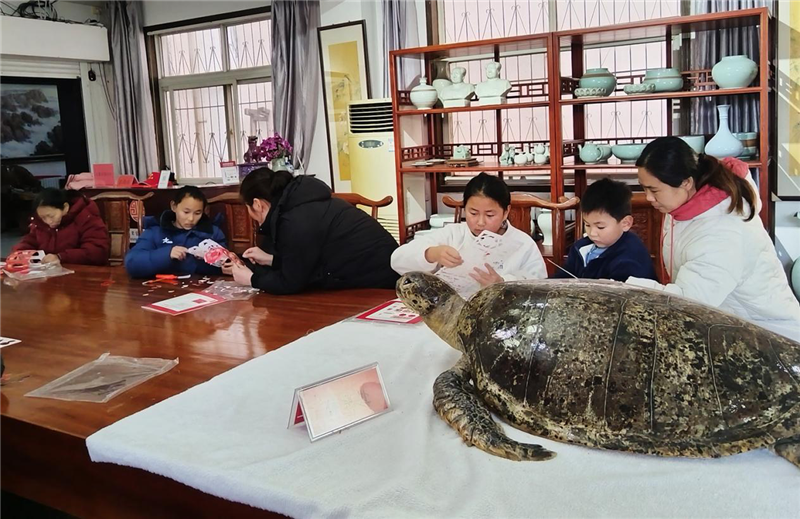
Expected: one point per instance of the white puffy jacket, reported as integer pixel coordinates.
(718, 259)
(525, 263)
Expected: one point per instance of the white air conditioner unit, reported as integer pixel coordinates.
(372, 167)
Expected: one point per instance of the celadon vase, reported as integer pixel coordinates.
(724, 144)
(545, 221)
(278, 164)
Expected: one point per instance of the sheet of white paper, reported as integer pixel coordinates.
(487, 247)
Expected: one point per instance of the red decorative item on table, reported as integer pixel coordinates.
(22, 260)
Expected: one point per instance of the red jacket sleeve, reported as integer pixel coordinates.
(29, 242)
(94, 243)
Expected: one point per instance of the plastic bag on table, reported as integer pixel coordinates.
(231, 290)
(102, 379)
(27, 264)
(54, 270)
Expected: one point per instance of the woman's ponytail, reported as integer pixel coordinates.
(711, 171)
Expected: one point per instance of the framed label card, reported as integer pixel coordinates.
(339, 402)
(230, 172)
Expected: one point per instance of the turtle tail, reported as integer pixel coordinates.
(455, 400)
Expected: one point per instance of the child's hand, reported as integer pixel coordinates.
(241, 274)
(50, 258)
(227, 267)
(486, 278)
(178, 253)
(444, 255)
(256, 255)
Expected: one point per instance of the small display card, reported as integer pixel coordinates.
(339, 402)
(163, 179)
(185, 303)
(393, 311)
(230, 172)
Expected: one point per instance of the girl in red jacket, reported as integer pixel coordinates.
(68, 228)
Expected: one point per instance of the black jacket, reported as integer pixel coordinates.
(322, 242)
(627, 257)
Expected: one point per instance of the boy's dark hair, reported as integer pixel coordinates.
(608, 196)
(489, 186)
(265, 184)
(191, 192)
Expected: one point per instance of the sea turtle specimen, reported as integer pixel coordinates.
(610, 366)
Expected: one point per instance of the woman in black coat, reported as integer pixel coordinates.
(310, 240)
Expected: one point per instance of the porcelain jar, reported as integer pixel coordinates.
(598, 78)
(734, 72)
(423, 96)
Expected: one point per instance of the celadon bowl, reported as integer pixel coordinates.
(627, 153)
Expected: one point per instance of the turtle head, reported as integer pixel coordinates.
(435, 301)
(423, 292)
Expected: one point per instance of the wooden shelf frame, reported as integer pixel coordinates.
(557, 97)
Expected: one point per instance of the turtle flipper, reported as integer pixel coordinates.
(455, 400)
(789, 449)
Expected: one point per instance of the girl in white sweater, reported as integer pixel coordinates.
(486, 204)
(714, 247)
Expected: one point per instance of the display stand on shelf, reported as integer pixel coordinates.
(556, 92)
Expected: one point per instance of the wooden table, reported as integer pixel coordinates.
(67, 321)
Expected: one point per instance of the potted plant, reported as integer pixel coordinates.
(276, 151)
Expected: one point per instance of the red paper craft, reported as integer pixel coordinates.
(125, 181)
(103, 175)
(218, 255)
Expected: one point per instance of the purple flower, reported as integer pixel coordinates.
(275, 147)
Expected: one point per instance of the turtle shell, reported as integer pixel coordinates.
(609, 365)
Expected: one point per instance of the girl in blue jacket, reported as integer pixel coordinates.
(162, 247)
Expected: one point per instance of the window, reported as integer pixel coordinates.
(470, 20)
(215, 89)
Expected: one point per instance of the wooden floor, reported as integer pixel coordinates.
(67, 321)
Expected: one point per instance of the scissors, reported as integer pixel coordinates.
(167, 278)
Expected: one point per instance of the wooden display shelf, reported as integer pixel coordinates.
(567, 49)
(754, 163)
(660, 27)
(471, 108)
(488, 164)
(501, 47)
(661, 95)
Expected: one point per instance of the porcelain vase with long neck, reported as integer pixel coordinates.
(724, 144)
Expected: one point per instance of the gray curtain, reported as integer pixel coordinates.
(134, 106)
(295, 73)
(400, 31)
(711, 46)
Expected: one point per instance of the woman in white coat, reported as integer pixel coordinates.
(714, 247)
(486, 204)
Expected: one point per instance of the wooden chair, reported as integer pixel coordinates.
(647, 222)
(116, 208)
(519, 215)
(240, 230)
(356, 199)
